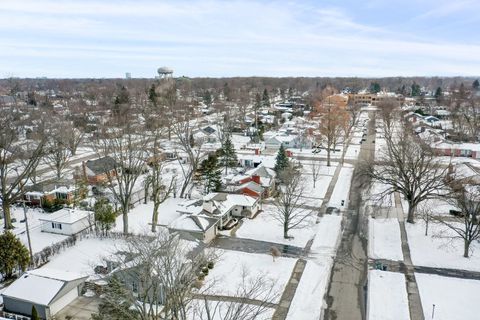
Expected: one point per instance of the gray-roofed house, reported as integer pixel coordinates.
(48, 290)
(97, 171)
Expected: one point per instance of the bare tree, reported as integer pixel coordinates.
(128, 150)
(255, 297)
(290, 204)
(18, 161)
(74, 138)
(315, 169)
(155, 277)
(409, 167)
(426, 214)
(466, 224)
(333, 121)
(183, 129)
(57, 151)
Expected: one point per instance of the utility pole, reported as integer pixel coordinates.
(28, 232)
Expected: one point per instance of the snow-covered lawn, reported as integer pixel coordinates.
(84, 256)
(219, 309)
(327, 235)
(39, 239)
(384, 239)
(436, 250)
(454, 298)
(140, 217)
(315, 194)
(323, 169)
(265, 228)
(353, 150)
(307, 302)
(226, 276)
(387, 296)
(342, 188)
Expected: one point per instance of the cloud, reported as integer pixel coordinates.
(217, 38)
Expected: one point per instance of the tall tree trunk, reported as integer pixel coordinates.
(155, 216)
(285, 230)
(125, 219)
(466, 248)
(328, 156)
(7, 217)
(411, 213)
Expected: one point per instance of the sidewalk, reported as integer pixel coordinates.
(414, 301)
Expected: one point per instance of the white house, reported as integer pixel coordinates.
(49, 290)
(67, 221)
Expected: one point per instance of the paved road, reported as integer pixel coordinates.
(345, 296)
(255, 246)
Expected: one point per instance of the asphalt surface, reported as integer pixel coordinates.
(346, 292)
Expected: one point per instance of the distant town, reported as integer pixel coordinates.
(244, 198)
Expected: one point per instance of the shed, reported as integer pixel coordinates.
(67, 221)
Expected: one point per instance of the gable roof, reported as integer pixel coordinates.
(40, 286)
(101, 165)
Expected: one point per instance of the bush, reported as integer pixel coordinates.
(205, 271)
(210, 265)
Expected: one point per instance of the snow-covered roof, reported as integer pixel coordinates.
(40, 287)
(67, 216)
(195, 223)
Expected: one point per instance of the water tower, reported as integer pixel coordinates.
(165, 73)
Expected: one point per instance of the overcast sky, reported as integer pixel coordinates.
(239, 38)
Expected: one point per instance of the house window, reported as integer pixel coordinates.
(61, 196)
(56, 225)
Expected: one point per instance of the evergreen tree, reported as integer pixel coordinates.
(282, 161)
(265, 99)
(416, 91)
(227, 92)
(227, 154)
(116, 303)
(12, 254)
(438, 94)
(207, 98)
(152, 95)
(104, 215)
(210, 173)
(375, 87)
(35, 314)
(476, 85)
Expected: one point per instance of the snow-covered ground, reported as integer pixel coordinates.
(327, 235)
(342, 188)
(453, 298)
(314, 195)
(226, 276)
(384, 239)
(387, 296)
(265, 228)
(84, 256)
(219, 310)
(437, 250)
(306, 303)
(39, 239)
(140, 217)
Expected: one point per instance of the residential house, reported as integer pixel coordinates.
(50, 191)
(48, 290)
(256, 182)
(216, 211)
(97, 171)
(288, 141)
(67, 221)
